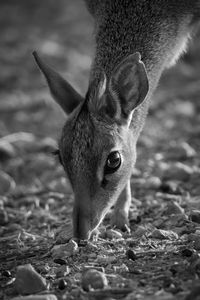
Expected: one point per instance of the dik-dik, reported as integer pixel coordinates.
(135, 41)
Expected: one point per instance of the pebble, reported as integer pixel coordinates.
(37, 297)
(113, 234)
(60, 261)
(131, 254)
(7, 183)
(65, 250)
(173, 208)
(177, 171)
(186, 252)
(194, 216)
(140, 231)
(62, 284)
(7, 151)
(164, 234)
(153, 183)
(28, 281)
(93, 279)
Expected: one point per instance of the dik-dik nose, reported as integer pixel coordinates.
(81, 223)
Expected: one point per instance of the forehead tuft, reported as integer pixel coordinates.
(83, 141)
(77, 138)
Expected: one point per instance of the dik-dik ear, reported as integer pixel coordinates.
(63, 93)
(128, 85)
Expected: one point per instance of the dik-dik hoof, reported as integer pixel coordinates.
(120, 220)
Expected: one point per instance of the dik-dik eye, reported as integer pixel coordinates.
(113, 162)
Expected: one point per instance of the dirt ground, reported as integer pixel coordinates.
(159, 257)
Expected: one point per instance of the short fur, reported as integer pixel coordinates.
(135, 41)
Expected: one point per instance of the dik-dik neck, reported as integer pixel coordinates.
(116, 38)
(123, 29)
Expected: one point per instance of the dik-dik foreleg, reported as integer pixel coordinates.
(121, 210)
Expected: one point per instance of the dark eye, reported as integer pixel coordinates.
(113, 162)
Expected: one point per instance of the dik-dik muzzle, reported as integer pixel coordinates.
(97, 146)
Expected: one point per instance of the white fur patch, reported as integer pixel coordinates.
(179, 49)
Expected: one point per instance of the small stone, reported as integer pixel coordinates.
(153, 183)
(60, 261)
(140, 231)
(187, 252)
(65, 250)
(113, 234)
(164, 234)
(37, 297)
(28, 281)
(177, 171)
(195, 216)
(173, 208)
(131, 254)
(62, 284)
(93, 279)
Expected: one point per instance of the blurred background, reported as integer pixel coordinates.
(62, 32)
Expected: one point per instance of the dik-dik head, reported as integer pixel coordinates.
(97, 145)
